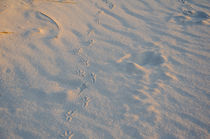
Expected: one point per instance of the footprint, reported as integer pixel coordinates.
(90, 42)
(110, 4)
(84, 61)
(106, 1)
(86, 77)
(97, 17)
(148, 58)
(182, 1)
(86, 100)
(93, 77)
(81, 73)
(69, 115)
(190, 16)
(67, 134)
(195, 16)
(77, 51)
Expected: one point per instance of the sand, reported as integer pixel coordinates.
(104, 69)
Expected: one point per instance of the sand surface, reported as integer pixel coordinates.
(104, 69)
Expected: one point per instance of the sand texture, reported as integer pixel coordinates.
(104, 69)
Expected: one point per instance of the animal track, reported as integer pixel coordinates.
(81, 73)
(110, 4)
(86, 100)
(84, 61)
(77, 51)
(98, 14)
(67, 134)
(69, 115)
(190, 16)
(182, 1)
(86, 77)
(90, 42)
(93, 77)
(196, 14)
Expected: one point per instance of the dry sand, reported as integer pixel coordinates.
(104, 69)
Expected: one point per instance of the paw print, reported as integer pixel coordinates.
(69, 115)
(67, 134)
(86, 100)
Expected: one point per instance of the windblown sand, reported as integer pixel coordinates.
(104, 69)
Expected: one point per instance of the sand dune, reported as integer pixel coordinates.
(103, 69)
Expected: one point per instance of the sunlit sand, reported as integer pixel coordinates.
(104, 69)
